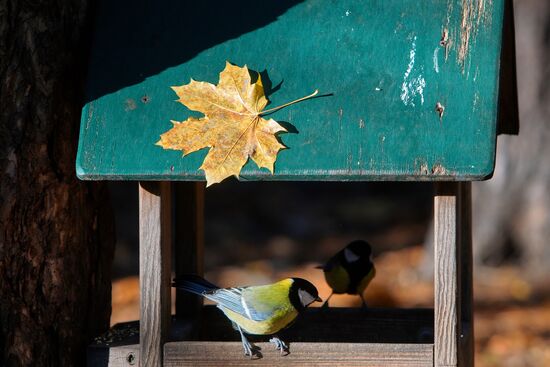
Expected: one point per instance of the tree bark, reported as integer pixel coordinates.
(56, 233)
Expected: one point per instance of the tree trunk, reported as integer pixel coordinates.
(56, 233)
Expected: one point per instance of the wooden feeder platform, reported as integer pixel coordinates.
(373, 337)
(418, 92)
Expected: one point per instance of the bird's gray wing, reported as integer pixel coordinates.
(232, 299)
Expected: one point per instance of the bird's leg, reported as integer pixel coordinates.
(249, 349)
(325, 305)
(363, 300)
(279, 344)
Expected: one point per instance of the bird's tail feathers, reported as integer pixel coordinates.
(194, 284)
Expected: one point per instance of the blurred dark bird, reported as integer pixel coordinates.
(350, 270)
(256, 310)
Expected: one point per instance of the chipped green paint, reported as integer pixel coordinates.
(414, 85)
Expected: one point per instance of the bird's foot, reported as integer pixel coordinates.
(252, 351)
(280, 345)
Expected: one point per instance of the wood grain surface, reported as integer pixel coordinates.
(302, 354)
(155, 228)
(446, 295)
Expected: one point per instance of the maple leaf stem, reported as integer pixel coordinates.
(288, 104)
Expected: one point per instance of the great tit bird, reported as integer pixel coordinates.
(256, 310)
(350, 270)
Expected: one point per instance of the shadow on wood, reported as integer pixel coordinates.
(138, 39)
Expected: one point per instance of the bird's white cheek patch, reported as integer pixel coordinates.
(305, 297)
(350, 256)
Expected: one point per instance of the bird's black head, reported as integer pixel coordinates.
(302, 293)
(356, 250)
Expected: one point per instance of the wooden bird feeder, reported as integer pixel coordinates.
(420, 90)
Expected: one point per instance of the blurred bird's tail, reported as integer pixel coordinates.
(194, 284)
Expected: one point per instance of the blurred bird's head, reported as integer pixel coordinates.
(302, 293)
(353, 252)
(357, 250)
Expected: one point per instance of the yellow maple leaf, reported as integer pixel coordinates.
(232, 126)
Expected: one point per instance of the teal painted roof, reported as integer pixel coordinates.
(391, 67)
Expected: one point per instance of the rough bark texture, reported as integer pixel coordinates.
(56, 237)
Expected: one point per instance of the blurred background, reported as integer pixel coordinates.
(259, 232)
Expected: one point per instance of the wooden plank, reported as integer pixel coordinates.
(119, 346)
(446, 297)
(124, 356)
(465, 277)
(301, 354)
(454, 329)
(189, 241)
(155, 214)
(380, 123)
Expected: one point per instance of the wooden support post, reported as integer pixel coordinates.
(453, 336)
(189, 241)
(445, 279)
(155, 227)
